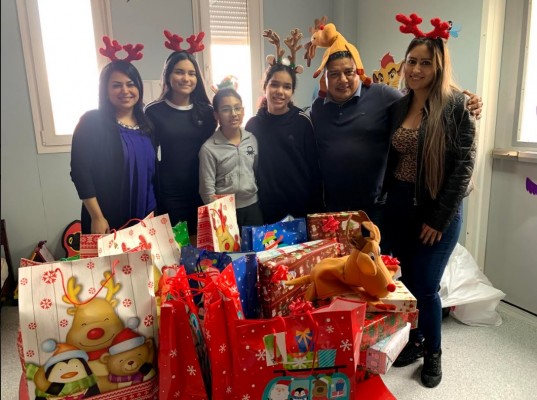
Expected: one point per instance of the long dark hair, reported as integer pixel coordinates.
(104, 102)
(202, 105)
(442, 88)
(269, 73)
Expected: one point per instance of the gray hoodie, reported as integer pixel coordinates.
(226, 168)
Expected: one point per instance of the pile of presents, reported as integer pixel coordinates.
(142, 313)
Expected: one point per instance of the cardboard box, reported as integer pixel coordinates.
(274, 296)
(333, 225)
(381, 355)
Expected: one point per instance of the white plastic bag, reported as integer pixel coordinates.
(468, 292)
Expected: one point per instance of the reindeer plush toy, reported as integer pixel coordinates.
(327, 36)
(361, 271)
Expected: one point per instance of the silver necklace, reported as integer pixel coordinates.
(127, 126)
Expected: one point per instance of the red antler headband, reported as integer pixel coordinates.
(410, 25)
(174, 42)
(112, 47)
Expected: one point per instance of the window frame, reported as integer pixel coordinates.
(34, 58)
(200, 17)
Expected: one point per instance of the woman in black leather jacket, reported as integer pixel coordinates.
(430, 166)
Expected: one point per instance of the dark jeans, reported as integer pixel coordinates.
(249, 216)
(422, 266)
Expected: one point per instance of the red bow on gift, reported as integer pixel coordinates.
(300, 306)
(280, 273)
(330, 224)
(389, 260)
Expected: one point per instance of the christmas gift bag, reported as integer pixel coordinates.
(313, 354)
(94, 317)
(182, 360)
(283, 233)
(152, 233)
(245, 267)
(218, 229)
(89, 245)
(180, 230)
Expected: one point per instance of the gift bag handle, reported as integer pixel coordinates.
(126, 224)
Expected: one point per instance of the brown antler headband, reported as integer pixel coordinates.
(293, 43)
(112, 47)
(174, 42)
(410, 25)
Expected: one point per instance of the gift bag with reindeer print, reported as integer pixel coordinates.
(218, 229)
(89, 328)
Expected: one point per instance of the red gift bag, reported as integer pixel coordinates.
(313, 355)
(222, 307)
(182, 354)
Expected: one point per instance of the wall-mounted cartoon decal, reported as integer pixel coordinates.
(389, 72)
(531, 186)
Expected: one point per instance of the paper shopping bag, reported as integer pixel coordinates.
(245, 267)
(218, 229)
(152, 233)
(95, 316)
(315, 354)
(283, 233)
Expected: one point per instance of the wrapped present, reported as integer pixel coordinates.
(378, 326)
(274, 296)
(268, 254)
(334, 225)
(401, 300)
(380, 357)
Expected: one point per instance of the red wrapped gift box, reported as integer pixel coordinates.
(333, 225)
(274, 296)
(378, 326)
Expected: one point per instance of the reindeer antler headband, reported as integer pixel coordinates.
(112, 47)
(292, 42)
(410, 25)
(174, 42)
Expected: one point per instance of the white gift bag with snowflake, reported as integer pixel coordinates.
(152, 233)
(89, 327)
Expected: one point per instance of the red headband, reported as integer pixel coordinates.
(174, 42)
(410, 25)
(112, 47)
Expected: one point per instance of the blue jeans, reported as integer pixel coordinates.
(422, 266)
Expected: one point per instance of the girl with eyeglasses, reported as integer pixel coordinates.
(228, 160)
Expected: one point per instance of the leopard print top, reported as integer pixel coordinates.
(405, 142)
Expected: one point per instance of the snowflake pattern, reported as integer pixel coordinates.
(246, 397)
(24, 281)
(208, 335)
(170, 240)
(126, 269)
(144, 257)
(32, 326)
(260, 355)
(64, 323)
(177, 394)
(191, 370)
(30, 353)
(301, 362)
(148, 320)
(90, 265)
(222, 349)
(49, 277)
(152, 231)
(46, 303)
(173, 353)
(163, 220)
(228, 390)
(92, 290)
(150, 285)
(330, 329)
(345, 345)
(127, 302)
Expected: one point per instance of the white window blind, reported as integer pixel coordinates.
(229, 22)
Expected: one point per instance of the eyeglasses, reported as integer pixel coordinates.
(229, 110)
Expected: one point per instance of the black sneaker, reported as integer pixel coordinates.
(431, 374)
(410, 353)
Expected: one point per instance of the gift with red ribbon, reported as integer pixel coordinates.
(338, 225)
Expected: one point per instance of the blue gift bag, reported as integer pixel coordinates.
(245, 268)
(283, 233)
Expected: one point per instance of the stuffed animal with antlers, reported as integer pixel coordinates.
(292, 42)
(362, 271)
(326, 36)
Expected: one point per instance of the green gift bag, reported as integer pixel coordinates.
(180, 231)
